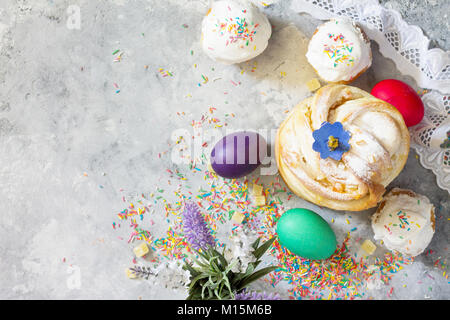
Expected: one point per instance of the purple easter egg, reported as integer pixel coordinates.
(238, 154)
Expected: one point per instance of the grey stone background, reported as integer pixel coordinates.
(69, 143)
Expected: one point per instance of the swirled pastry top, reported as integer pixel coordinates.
(339, 51)
(234, 31)
(379, 146)
(404, 221)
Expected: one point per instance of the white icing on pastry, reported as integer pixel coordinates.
(235, 31)
(405, 222)
(338, 51)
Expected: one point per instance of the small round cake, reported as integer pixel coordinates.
(405, 222)
(234, 31)
(339, 51)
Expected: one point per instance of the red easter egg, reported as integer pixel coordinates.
(403, 97)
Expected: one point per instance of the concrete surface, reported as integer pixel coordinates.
(69, 142)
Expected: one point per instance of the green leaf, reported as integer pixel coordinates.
(258, 253)
(204, 255)
(220, 288)
(213, 283)
(230, 291)
(193, 272)
(236, 279)
(214, 266)
(242, 275)
(256, 243)
(255, 276)
(248, 271)
(199, 263)
(255, 264)
(195, 294)
(210, 293)
(222, 259)
(200, 276)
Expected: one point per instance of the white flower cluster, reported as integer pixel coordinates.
(240, 251)
(171, 275)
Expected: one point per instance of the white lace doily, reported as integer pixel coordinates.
(430, 137)
(407, 46)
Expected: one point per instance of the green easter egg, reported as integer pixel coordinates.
(306, 234)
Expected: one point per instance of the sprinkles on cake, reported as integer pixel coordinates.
(237, 29)
(340, 51)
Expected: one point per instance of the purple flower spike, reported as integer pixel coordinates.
(195, 228)
(253, 295)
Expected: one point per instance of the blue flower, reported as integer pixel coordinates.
(331, 140)
(195, 229)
